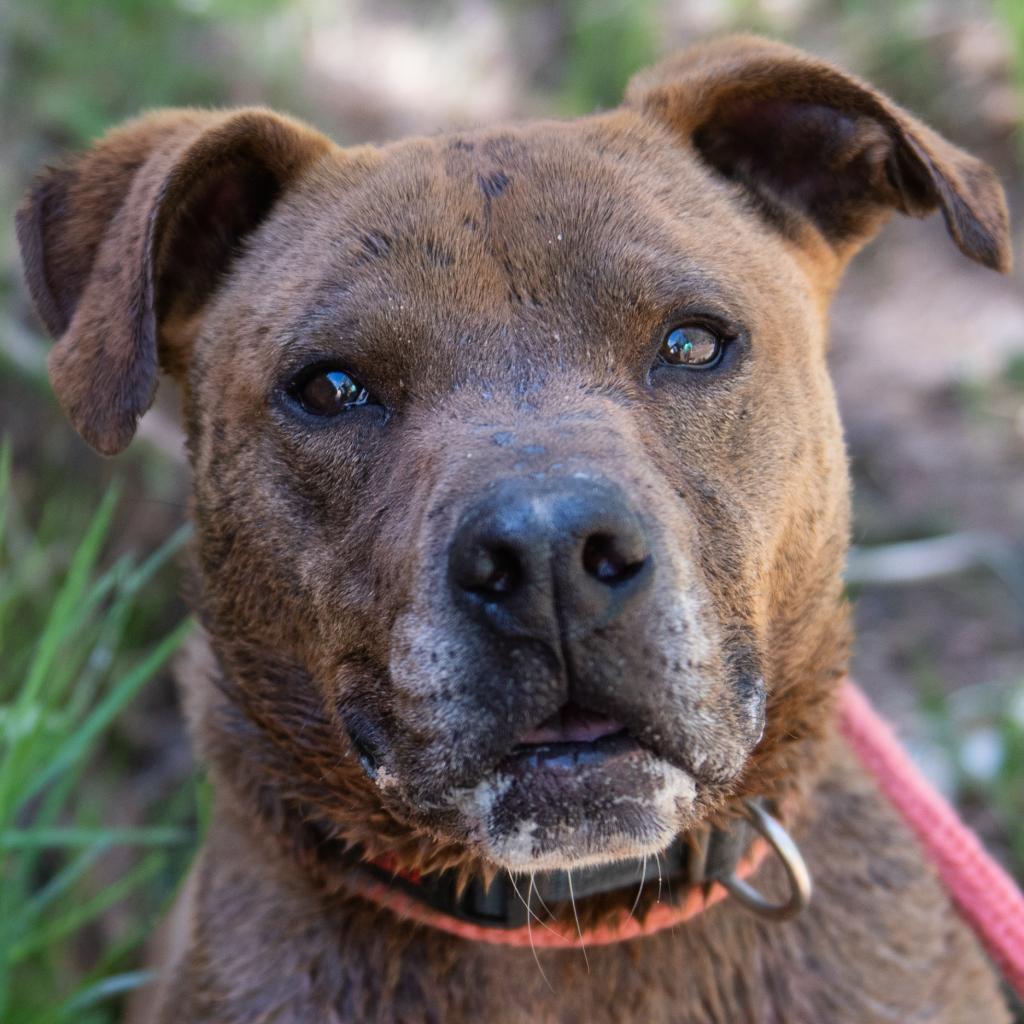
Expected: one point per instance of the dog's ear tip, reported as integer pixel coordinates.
(998, 251)
(993, 252)
(979, 222)
(988, 253)
(106, 418)
(108, 443)
(107, 432)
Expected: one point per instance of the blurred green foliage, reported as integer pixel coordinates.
(1012, 14)
(78, 66)
(74, 655)
(607, 42)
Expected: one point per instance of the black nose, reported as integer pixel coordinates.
(533, 557)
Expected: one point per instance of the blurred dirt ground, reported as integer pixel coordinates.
(928, 349)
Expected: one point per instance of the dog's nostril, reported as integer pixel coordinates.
(536, 558)
(494, 571)
(611, 561)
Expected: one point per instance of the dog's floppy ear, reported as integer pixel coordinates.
(132, 236)
(812, 143)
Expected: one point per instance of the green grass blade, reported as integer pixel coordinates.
(69, 596)
(58, 885)
(116, 620)
(70, 838)
(81, 915)
(26, 707)
(108, 709)
(141, 576)
(115, 985)
(5, 501)
(5, 486)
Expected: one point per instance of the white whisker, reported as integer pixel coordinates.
(579, 930)
(530, 913)
(640, 890)
(529, 927)
(544, 906)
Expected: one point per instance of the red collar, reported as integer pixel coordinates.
(697, 873)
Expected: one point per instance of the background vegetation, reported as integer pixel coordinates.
(100, 805)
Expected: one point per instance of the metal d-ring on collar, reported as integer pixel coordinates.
(792, 861)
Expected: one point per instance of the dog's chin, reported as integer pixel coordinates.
(568, 805)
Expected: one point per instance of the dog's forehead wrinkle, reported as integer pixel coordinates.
(584, 221)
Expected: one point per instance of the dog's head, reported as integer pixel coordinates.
(520, 488)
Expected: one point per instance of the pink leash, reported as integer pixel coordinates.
(984, 893)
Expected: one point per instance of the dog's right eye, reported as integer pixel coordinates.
(328, 391)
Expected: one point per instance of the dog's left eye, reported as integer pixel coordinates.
(695, 347)
(325, 391)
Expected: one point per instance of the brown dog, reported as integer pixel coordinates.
(522, 506)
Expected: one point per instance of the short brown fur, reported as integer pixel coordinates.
(504, 292)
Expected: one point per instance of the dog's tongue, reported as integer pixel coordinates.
(572, 724)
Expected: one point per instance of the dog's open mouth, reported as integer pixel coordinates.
(572, 724)
(568, 739)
